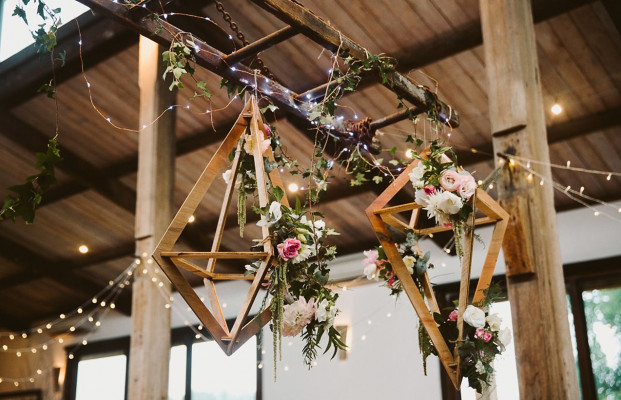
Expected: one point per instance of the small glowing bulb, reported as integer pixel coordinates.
(608, 177)
(84, 342)
(83, 249)
(224, 305)
(108, 119)
(197, 336)
(290, 343)
(33, 350)
(364, 337)
(581, 189)
(596, 213)
(369, 322)
(11, 336)
(62, 316)
(443, 264)
(103, 303)
(200, 327)
(161, 284)
(44, 347)
(286, 368)
(60, 340)
(72, 329)
(541, 183)
(491, 186)
(191, 219)
(24, 335)
(448, 251)
(94, 301)
(568, 163)
(70, 356)
(18, 354)
(431, 235)
(98, 323)
(529, 177)
(556, 109)
(91, 319)
(31, 380)
(293, 187)
(389, 315)
(167, 305)
(511, 162)
(409, 153)
(112, 305)
(344, 288)
(5, 347)
(39, 372)
(260, 366)
(48, 326)
(80, 311)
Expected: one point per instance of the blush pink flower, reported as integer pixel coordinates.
(371, 257)
(450, 180)
(453, 315)
(268, 131)
(429, 190)
(289, 249)
(297, 315)
(483, 334)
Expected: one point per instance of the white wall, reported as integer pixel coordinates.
(387, 363)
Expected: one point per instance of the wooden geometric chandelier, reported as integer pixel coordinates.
(248, 122)
(381, 217)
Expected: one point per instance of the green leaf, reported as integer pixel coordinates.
(278, 192)
(393, 151)
(393, 162)
(378, 179)
(269, 107)
(20, 12)
(409, 139)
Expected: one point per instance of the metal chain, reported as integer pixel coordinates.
(240, 36)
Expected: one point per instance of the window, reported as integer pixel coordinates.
(101, 378)
(198, 370)
(15, 35)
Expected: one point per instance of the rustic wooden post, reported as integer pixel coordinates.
(545, 363)
(150, 337)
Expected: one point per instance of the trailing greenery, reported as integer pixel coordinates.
(30, 194)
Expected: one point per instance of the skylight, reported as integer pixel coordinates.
(15, 35)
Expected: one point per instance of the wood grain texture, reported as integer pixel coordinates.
(539, 309)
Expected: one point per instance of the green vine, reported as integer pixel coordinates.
(30, 194)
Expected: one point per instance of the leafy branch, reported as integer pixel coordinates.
(30, 194)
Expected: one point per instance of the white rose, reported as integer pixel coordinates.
(320, 224)
(474, 317)
(468, 187)
(449, 203)
(505, 336)
(421, 198)
(416, 175)
(371, 271)
(227, 176)
(494, 322)
(409, 262)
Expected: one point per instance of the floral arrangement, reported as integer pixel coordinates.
(301, 302)
(484, 339)
(378, 267)
(444, 191)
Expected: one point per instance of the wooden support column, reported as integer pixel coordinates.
(150, 337)
(545, 364)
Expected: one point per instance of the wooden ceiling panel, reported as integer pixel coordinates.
(40, 297)
(60, 228)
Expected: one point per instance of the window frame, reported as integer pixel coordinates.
(179, 336)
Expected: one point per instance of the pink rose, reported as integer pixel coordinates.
(268, 131)
(468, 187)
(391, 281)
(429, 190)
(483, 334)
(289, 249)
(453, 315)
(450, 180)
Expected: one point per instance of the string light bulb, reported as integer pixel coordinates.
(556, 109)
(83, 249)
(293, 187)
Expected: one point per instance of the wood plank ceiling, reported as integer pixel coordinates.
(579, 49)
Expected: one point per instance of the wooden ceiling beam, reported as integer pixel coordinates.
(613, 7)
(560, 132)
(86, 174)
(37, 266)
(22, 74)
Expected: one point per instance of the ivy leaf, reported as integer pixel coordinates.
(409, 139)
(393, 151)
(48, 89)
(278, 192)
(269, 107)
(378, 179)
(393, 162)
(20, 12)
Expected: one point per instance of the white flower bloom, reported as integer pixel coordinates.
(250, 268)
(421, 198)
(371, 271)
(227, 176)
(409, 262)
(320, 224)
(326, 312)
(474, 317)
(479, 367)
(433, 205)
(303, 254)
(449, 203)
(273, 215)
(416, 175)
(505, 336)
(494, 322)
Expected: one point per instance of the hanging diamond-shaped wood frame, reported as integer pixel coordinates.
(381, 217)
(171, 262)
